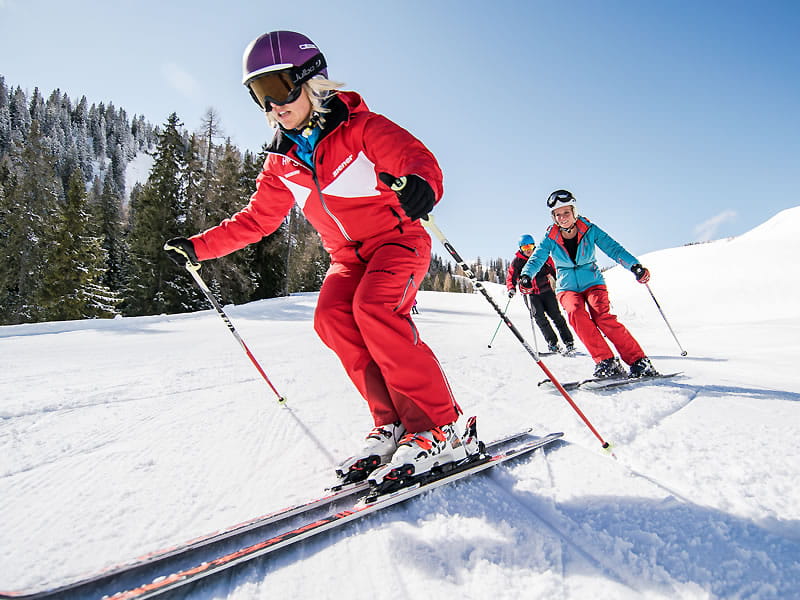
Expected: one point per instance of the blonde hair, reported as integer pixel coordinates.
(318, 90)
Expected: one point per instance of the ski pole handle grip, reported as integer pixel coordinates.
(191, 263)
(399, 184)
(396, 184)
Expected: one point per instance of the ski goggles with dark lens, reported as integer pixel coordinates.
(528, 247)
(274, 88)
(562, 196)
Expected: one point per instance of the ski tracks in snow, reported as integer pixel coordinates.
(654, 540)
(574, 538)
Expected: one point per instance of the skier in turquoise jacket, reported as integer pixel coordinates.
(581, 288)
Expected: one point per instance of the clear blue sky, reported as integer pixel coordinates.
(670, 121)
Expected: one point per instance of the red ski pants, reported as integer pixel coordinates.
(363, 316)
(588, 314)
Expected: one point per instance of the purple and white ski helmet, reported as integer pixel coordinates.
(283, 50)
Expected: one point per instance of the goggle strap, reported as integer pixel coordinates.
(308, 69)
(254, 97)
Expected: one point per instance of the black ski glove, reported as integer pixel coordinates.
(525, 281)
(511, 292)
(642, 274)
(181, 252)
(415, 194)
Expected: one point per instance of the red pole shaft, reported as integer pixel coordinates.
(202, 285)
(569, 399)
(260, 370)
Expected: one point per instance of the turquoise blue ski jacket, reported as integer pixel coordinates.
(583, 273)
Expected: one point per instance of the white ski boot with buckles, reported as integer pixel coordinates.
(379, 446)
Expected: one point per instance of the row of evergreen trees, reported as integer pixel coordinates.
(77, 246)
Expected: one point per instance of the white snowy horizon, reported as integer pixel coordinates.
(120, 437)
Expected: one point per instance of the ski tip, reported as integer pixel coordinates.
(553, 436)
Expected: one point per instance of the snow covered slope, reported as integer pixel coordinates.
(119, 437)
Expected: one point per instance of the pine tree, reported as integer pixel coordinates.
(20, 116)
(33, 194)
(83, 139)
(269, 255)
(97, 128)
(210, 130)
(108, 217)
(36, 112)
(229, 276)
(159, 213)
(196, 183)
(308, 261)
(8, 298)
(74, 265)
(5, 118)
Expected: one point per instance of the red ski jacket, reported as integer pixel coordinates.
(340, 195)
(541, 283)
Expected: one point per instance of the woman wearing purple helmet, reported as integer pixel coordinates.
(336, 159)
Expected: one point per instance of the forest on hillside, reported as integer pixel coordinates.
(76, 245)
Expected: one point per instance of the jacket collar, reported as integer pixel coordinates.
(339, 113)
(582, 223)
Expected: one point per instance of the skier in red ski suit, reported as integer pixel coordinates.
(334, 158)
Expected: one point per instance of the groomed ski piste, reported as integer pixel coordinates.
(126, 436)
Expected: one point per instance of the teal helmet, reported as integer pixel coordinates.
(526, 239)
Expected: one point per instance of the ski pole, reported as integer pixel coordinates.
(193, 269)
(430, 224)
(500, 323)
(663, 316)
(532, 312)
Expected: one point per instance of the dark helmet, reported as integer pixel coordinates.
(525, 240)
(283, 50)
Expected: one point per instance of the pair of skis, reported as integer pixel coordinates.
(177, 566)
(604, 383)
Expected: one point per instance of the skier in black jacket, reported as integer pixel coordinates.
(540, 298)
